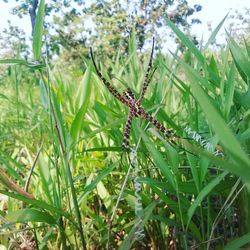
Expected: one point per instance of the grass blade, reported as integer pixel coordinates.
(215, 32)
(22, 62)
(38, 31)
(84, 96)
(161, 164)
(189, 44)
(240, 58)
(30, 215)
(37, 203)
(238, 243)
(226, 136)
(204, 192)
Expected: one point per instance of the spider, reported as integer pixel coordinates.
(135, 106)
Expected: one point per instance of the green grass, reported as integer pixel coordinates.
(73, 126)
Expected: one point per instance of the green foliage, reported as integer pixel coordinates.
(104, 24)
(30, 215)
(188, 194)
(13, 42)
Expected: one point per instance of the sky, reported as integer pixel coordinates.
(213, 11)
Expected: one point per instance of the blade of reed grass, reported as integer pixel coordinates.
(222, 162)
(184, 187)
(59, 122)
(243, 99)
(160, 162)
(97, 179)
(192, 160)
(30, 215)
(63, 146)
(173, 205)
(189, 44)
(204, 192)
(133, 62)
(194, 50)
(170, 151)
(238, 243)
(241, 59)
(38, 203)
(103, 149)
(214, 72)
(229, 95)
(22, 62)
(184, 88)
(45, 178)
(247, 47)
(83, 98)
(10, 164)
(43, 244)
(38, 31)
(212, 37)
(4, 97)
(44, 95)
(104, 128)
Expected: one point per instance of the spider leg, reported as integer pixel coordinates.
(148, 76)
(167, 132)
(127, 129)
(111, 89)
(173, 138)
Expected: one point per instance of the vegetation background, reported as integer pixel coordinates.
(65, 182)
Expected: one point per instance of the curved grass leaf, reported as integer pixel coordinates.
(189, 44)
(204, 192)
(212, 37)
(241, 59)
(22, 62)
(59, 120)
(113, 124)
(238, 243)
(230, 90)
(83, 96)
(37, 203)
(4, 96)
(243, 99)
(97, 179)
(30, 215)
(45, 179)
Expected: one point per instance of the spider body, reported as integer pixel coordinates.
(134, 106)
